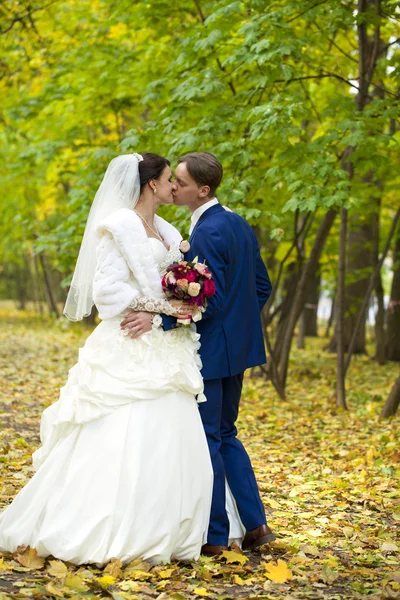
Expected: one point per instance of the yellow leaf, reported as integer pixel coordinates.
(370, 456)
(272, 503)
(75, 583)
(54, 591)
(234, 557)
(106, 581)
(166, 574)
(4, 566)
(362, 475)
(30, 559)
(314, 532)
(332, 561)
(161, 584)
(238, 580)
(389, 548)
(57, 569)
(137, 575)
(309, 550)
(279, 572)
(201, 592)
(138, 565)
(114, 568)
(295, 491)
(130, 586)
(328, 575)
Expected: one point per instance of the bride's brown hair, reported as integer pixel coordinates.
(151, 167)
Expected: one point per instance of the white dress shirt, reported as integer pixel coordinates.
(199, 211)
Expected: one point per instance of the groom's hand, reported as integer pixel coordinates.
(136, 324)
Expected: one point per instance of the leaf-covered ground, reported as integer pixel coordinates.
(329, 481)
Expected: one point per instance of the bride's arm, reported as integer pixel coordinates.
(112, 290)
(160, 306)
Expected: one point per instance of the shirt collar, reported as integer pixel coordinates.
(202, 209)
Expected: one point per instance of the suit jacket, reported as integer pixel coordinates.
(231, 331)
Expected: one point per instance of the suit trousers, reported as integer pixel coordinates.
(229, 459)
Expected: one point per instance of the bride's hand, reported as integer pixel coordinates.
(182, 308)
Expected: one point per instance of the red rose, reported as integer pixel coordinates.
(209, 287)
(191, 276)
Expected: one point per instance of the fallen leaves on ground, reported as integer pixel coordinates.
(328, 479)
(27, 557)
(278, 572)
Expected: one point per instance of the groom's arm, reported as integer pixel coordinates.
(168, 322)
(210, 247)
(263, 282)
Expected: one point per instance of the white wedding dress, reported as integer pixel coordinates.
(124, 470)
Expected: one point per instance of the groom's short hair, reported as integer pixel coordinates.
(204, 168)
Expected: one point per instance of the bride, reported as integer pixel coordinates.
(124, 469)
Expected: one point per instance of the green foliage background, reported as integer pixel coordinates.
(269, 87)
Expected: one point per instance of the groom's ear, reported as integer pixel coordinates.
(204, 190)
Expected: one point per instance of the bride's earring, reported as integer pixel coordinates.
(155, 190)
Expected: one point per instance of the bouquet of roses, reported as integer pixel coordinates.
(191, 282)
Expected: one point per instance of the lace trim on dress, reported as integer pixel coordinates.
(153, 305)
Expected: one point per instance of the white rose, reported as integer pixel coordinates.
(184, 246)
(194, 289)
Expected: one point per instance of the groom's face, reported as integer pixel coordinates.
(185, 190)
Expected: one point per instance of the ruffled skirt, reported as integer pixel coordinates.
(124, 469)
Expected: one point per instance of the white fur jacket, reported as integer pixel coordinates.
(126, 268)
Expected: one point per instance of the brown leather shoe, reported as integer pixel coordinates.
(258, 537)
(209, 550)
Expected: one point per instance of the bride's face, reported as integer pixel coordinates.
(164, 187)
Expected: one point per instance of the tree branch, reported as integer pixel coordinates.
(396, 41)
(20, 18)
(306, 10)
(221, 67)
(332, 41)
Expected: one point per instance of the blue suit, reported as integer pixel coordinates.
(231, 341)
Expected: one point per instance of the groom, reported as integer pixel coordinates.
(231, 341)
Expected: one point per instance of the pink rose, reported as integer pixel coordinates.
(182, 284)
(194, 289)
(201, 268)
(209, 287)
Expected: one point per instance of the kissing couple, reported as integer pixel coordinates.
(139, 456)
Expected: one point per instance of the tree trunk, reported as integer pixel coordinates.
(340, 315)
(393, 312)
(35, 287)
(310, 313)
(299, 222)
(48, 286)
(308, 271)
(300, 334)
(380, 314)
(289, 291)
(371, 285)
(38, 280)
(393, 401)
(331, 317)
(359, 265)
(359, 255)
(380, 354)
(22, 282)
